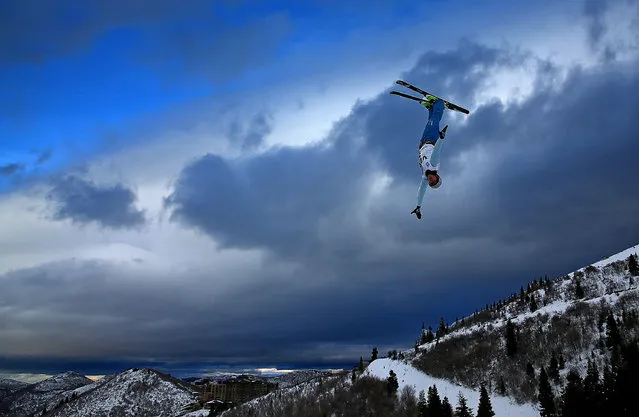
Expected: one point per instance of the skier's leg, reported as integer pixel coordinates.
(431, 130)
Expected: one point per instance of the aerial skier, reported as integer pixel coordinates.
(430, 144)
(430, 147)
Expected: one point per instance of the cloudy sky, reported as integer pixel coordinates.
(228, 185)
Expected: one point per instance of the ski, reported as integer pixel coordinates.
(449, 105)
(397, 93)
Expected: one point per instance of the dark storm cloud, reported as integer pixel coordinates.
(561, 166)
(10, 169)
(260, 203)
(200, 38)
(84, 202)
(557, 192)
(88, 312)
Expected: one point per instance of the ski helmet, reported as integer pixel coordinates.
(439, 183)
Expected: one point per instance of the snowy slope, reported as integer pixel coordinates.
(634, 250)
(35, 397)
(407, 375)
(140, 392)
(599, 286)
(566, 322)
(198, 413)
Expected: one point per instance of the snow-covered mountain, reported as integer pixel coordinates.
(9, 386)
(34, 398)
(564, 320)
(135, 392)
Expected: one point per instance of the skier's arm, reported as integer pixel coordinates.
(434, 158)
(422, 189)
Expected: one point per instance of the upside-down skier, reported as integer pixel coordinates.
(430, 147)
(430, 144)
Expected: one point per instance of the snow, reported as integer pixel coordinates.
(621, 256)
(138, 392)
(198, 413)
(600, 286)
(34, 397)
(408, 375)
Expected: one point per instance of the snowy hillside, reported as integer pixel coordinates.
(563, 320)
(409, 376)
(295, 400)
(9, 386)
(621, 256)
(35, 397)
(297, 377)
(141, 392)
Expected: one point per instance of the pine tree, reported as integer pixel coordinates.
(633, 268)
(422, 337)
(562, 362)
(530, 371)
(430, 336)
(608, 388)
(422, 405)
(533, 303)
(392, 383)
(579, 291)
(434, 402)
(592, 389)
(511, 339)
(485, 408)
(627, 380)
(441, 330)
(353, 376)
(374, 354)
(462, 409)
(545, 396)
(447, 408)
(522, 295)
(361, 364)
(572, 399)
(613, 338)
(501, 386)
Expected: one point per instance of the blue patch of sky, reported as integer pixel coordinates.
(73, 99)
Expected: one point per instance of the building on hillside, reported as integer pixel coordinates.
(237, 390)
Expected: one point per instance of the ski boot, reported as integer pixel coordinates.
(417, 212)
(428, 101)
(442, 133)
